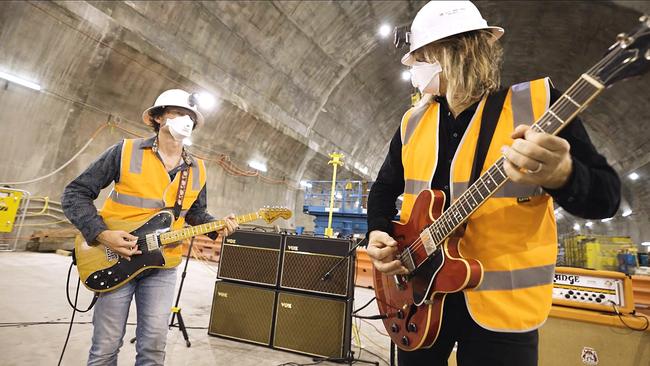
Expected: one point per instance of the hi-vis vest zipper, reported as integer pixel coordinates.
(145, 188)
(513, 233)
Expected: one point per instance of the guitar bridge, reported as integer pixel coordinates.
(152, 242)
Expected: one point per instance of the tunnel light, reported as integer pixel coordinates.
(206, 100)
(607, 219)
(19, 81)
(576, 227)
(627, 212)
(384, 30)
(305, 184)
(257, 165)
(633, 176)
(406, 75)
(187, 141)
(589, 224)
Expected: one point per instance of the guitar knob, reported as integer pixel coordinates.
(400, 314)
(412, 327)
(405, 341)
(394, 328)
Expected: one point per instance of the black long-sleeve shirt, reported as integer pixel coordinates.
(592, 191)
(78, 195)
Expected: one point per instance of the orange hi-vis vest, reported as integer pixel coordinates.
(513, 233)
(144, 188)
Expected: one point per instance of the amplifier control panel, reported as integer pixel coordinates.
(598, 290)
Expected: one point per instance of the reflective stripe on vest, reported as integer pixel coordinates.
(515, 241)
(144, 188)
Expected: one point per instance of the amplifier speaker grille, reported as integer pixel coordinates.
(312, 325)
(303, 271)
(250, 264)
(242, 312)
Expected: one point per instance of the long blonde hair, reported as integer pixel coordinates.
(470, 63)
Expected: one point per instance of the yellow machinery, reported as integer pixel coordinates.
(596, 251)
(11, 201)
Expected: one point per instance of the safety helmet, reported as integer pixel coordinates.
(175, 98)
(440, 19)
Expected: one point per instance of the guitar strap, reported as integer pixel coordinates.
(182, 187)
(491, 114)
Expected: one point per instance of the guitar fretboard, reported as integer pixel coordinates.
(178, 235)
(576, 98)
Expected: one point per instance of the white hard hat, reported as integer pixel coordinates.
(440, 19)
(175, 98)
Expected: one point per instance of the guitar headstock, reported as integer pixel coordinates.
(270, 214)
(628, 57)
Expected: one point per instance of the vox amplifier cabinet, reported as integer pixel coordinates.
(307, 260)
(311, 324)
(242, 312)
(579, 337)
(590, 289)
(251, 256)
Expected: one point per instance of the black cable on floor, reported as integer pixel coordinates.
(364, 306)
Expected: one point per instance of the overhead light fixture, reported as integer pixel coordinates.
(576, 227)
(257, 165)
(646, 243)
(305, 184)
(206, 100)
(607, 219)
(589, 224)
(338, 195)
(187, 141)
(406, 75)
(19, 81)
(627, 212)
(384, 30)
(633, 176)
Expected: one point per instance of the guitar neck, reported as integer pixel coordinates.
(576, 99)
(188, 232)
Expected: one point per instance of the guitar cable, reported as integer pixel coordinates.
(74, 306)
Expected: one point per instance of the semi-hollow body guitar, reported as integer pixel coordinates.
(411, 306)
(101, 269)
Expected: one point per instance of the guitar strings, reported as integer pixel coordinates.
(579, 87)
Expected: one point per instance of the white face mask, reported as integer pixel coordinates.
(180, 127)
(426, 77)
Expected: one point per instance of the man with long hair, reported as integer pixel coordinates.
(455, 59)
(149, 175)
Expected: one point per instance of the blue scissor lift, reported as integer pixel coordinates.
(349, 215)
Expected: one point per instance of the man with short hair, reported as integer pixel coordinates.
(147, 175)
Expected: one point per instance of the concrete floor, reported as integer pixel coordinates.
(33, 290)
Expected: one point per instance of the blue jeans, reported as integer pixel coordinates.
(154, 293)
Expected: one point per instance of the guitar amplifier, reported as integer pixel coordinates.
(242, 312)
(306, 259)
(251, 256)
(313, 325)
(590, 289)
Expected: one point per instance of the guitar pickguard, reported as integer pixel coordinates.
(124, 269)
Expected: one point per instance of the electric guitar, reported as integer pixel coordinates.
(411, 306)
(101, 269)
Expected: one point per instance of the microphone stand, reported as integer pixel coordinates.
(336, 265)
(349, 358)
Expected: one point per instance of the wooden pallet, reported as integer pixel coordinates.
(205, 247)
